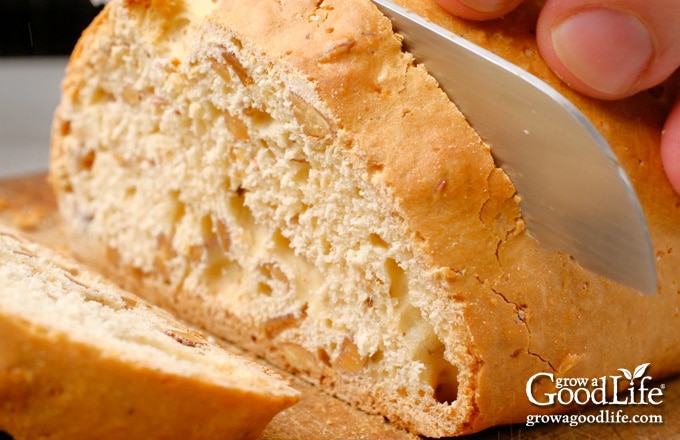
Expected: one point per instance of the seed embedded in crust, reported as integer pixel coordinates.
(236, 127)
(222, 70)
(184, 338)
(312, 121)
(349, 360)
(238, 68)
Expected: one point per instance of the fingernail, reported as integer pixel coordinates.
(484, 5)
(607, 49)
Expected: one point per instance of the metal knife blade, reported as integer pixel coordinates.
(575, 196)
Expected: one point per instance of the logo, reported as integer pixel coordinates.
(630, 388)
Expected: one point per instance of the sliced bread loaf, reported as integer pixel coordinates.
(80, 358)
(282, 173)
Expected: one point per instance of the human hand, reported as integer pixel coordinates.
(607, 49)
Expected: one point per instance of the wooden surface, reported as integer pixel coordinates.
(27, 204)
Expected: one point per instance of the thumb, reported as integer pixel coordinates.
(610, 49)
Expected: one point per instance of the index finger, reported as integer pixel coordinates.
(479, 9)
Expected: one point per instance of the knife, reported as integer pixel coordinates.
(575, 196)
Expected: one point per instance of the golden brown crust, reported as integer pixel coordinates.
(516, 308)
(574, 320)
(54, 388)
(54, 385)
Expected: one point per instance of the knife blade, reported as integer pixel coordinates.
(575, 196)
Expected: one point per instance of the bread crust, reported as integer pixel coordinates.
(55, 385)
(55, 388)
(509, 308)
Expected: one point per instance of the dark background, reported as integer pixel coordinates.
(42, 27)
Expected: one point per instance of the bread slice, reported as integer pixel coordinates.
(282, 173)
(80, 358)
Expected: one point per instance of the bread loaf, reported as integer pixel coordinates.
(282, 173)
(80, 358)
